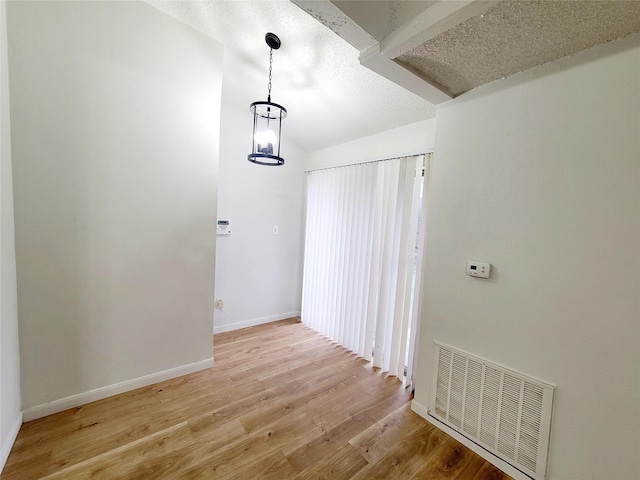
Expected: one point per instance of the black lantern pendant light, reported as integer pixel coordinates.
(267, 120)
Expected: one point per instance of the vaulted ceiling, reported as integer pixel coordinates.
(329, 96)
(348, 68)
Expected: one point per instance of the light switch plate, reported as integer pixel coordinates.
(478, 269)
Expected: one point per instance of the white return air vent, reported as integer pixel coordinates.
(504, 412)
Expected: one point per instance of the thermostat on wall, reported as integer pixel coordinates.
(478, 269)
(223, 227)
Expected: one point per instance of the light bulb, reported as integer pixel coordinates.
(266, 141)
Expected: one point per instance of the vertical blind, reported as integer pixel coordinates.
(360, 257)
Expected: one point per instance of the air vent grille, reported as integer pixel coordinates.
(505, 412)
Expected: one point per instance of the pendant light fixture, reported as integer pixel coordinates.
(267, 120)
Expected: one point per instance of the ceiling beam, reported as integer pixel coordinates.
(335, 19)
(374, 60)
(379, 56)
(435, 20)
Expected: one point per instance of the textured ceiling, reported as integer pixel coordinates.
(329, 96)
(424, 52)
(441, 49)
(513, 36)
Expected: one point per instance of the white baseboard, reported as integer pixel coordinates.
(488, 456)
(253, 322)
(103, 392)
(7, 443)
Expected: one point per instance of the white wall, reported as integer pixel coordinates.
(115, 128)
(411, 139)
(10, 414)
(539, 174)
(258, 274)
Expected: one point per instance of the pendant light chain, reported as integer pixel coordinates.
(270, 66)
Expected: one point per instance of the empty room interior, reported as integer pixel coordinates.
(438, 226)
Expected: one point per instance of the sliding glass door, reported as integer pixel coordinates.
(363, 255)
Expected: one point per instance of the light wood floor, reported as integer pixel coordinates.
(281, 402)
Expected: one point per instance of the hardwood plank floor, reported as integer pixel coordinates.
(281, 402)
